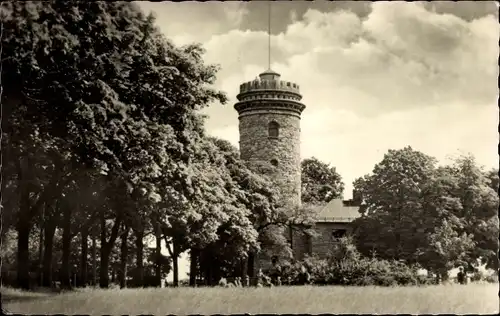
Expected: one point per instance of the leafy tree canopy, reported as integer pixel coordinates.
(320, 182)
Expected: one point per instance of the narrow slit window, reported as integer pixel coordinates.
(274, 129)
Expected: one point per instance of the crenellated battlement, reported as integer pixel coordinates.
(265, 84)
(268, 91)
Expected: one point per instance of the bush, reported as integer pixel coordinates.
(492, 278)
(346, 266)
(477, 276)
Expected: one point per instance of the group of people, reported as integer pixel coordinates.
(275, 277)
(237, 282)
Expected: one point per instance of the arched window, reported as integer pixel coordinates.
(274, 162)
(274, 129)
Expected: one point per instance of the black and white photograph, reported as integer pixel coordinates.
(249, 157)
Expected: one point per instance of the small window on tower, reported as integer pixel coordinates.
(274, 162)
(274, 129)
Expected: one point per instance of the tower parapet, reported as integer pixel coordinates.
(267, 84)
(269, 92)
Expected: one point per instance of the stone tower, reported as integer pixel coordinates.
(269, 124)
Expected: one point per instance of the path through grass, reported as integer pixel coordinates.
(451, 299)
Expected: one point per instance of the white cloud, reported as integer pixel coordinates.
(402, 76)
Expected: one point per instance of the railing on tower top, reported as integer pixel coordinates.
(269, 85)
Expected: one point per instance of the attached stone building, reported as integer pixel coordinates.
(333, 221)
(269, 124)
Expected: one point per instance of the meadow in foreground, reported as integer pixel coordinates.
(452, 299)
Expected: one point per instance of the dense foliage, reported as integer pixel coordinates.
(440, 217)
(320, 182)
(105, 153)
(346, 266)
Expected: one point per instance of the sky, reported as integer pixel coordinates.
(374, 75)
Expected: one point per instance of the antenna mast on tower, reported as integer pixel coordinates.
(269, 36)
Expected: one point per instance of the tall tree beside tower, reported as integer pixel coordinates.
(321, 182)
(94, 87)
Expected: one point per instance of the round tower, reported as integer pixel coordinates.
(269, 124)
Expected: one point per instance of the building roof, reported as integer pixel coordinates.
(337, 211)
(270, 72)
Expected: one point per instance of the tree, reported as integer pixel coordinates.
(266, 212)
(223, 233)
(492, 177)
(447, 250)
(95, 86)
(478, 196)
(392, 201)
(320, 182)
(438, 217)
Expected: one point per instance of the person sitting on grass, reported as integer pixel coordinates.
(304, 276)
(260, 277)
(461, 276)
(267, 281)
(237, 282)
(223, 282)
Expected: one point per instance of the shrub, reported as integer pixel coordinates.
(346, 266)
(477, 276)
(492, 278)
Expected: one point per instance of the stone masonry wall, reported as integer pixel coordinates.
(301, 244)
(323, 243)
(257, 147)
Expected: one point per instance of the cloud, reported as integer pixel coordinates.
(400, 56)
(400, 76)
(192, 21)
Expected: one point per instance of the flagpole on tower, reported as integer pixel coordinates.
(269, 36)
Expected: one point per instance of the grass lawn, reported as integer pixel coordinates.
(450, 299)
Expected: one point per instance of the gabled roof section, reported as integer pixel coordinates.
(337, 211)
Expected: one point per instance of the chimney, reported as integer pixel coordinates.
(357, 198)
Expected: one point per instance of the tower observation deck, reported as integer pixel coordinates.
(269, 93)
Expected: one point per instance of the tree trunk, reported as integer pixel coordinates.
(204, 267)
(23, 254)
(251, 264)
(244, 268)
(193, 267)
(23, 230)
(66, 248)
(49, 232)
(106, 247)
(158, 262)
(40, 249)
(104, 264)
(123, 258)
(94, 259)
(103, 271)
(175, 261)
(83, 258)
(139, 252)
